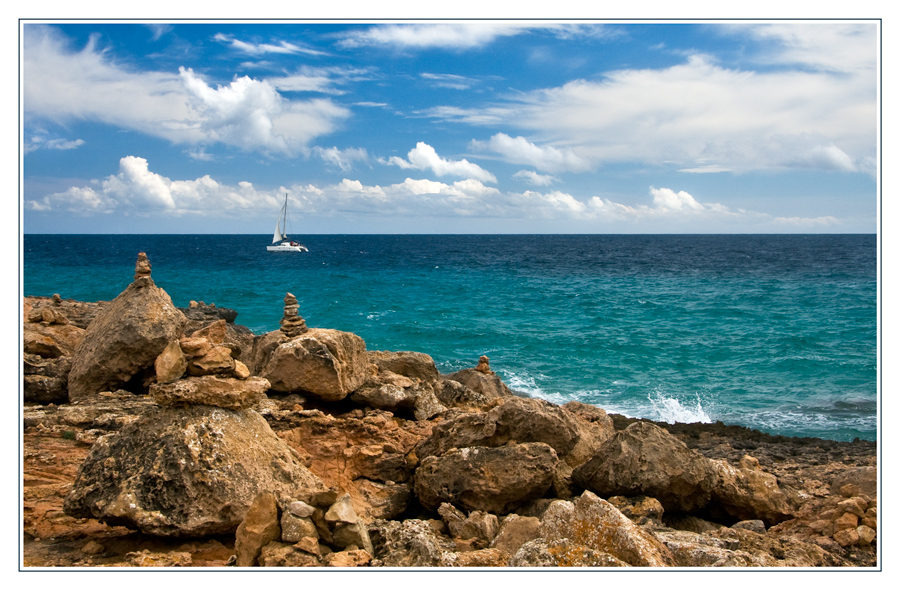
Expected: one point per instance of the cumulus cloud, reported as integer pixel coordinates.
(426, 36)
(519, 150)
(137, 191)
(61, 85)
(424, 157)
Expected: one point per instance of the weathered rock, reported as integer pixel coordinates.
(493, 480)
(187, 471)
(596, 524)
(477, 525)
(276, 554)
(51, 340)
(645, 460)
(639, 509)
(211, 390)
(326, 363)
(476, 558)
(454, 394)
(561, 553)
(749, 493)
(382, 500)
(414, 365)
(124, 339)
(259, 528)
(295, 528)
(347, 558)
(408, 543)
(866, 478)
(515, 531)
(481, 379)
(45, 381)
(217, 361)
(512, 419)
(171, 363)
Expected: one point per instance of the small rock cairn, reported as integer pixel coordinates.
(483, 366)
(142, 270)
(292, 325)
(49, 314)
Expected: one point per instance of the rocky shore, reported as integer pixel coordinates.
(157, 436)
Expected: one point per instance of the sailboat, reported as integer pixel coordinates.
(280, 241)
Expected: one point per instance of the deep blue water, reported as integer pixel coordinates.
(775, 332)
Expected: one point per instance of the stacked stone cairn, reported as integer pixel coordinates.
(292, 325)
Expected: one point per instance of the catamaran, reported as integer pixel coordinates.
(280, 241)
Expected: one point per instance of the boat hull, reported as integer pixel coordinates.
(286, 248)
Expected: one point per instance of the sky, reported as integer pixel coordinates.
(469, 126)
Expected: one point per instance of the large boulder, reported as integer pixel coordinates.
(645, 460)
(511, 419)
(496, 480)
(211, 390)
(415, 365)
(747, 493)
(408, 543)
(328, 364)
(187, 471)
(125, 338)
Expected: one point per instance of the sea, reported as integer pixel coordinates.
(773, 332)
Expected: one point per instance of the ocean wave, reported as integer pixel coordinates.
(671, 410)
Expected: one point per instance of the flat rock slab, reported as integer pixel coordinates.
(210, 390)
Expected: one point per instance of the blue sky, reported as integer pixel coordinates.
(450, 127)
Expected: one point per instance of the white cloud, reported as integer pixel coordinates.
(452, 81)
(137, 191)
(535, 179)
(424, 157)
(699, 116)
(61, 85)
(519, 150)
(826, 46)
(43, 141)
(343, 159)
(251, 48)
(424, 36)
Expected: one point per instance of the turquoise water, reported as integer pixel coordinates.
(772, 332)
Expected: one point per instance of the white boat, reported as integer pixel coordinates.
(280, 241)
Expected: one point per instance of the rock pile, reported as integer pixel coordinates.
(322, 530)
(316, 452)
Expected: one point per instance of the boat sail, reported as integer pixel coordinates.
(280, 241)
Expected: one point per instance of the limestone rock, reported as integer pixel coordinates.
(493, 480)
(45, 380)
(217, 361)
(478, 525)
(515, 531)
(561, 553)
(295, 528)
(646, 460)
(485, 383)
(326, 363)
(408, 543)
(187, 471)
(292, 325)
(640, 510)
(171, 363)
(596, 524)
(414, 365)
(211, 390)
(749, 493)
(259, 528)
(276, 554)
(866, 478)
(512, 419)
(124, 339)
